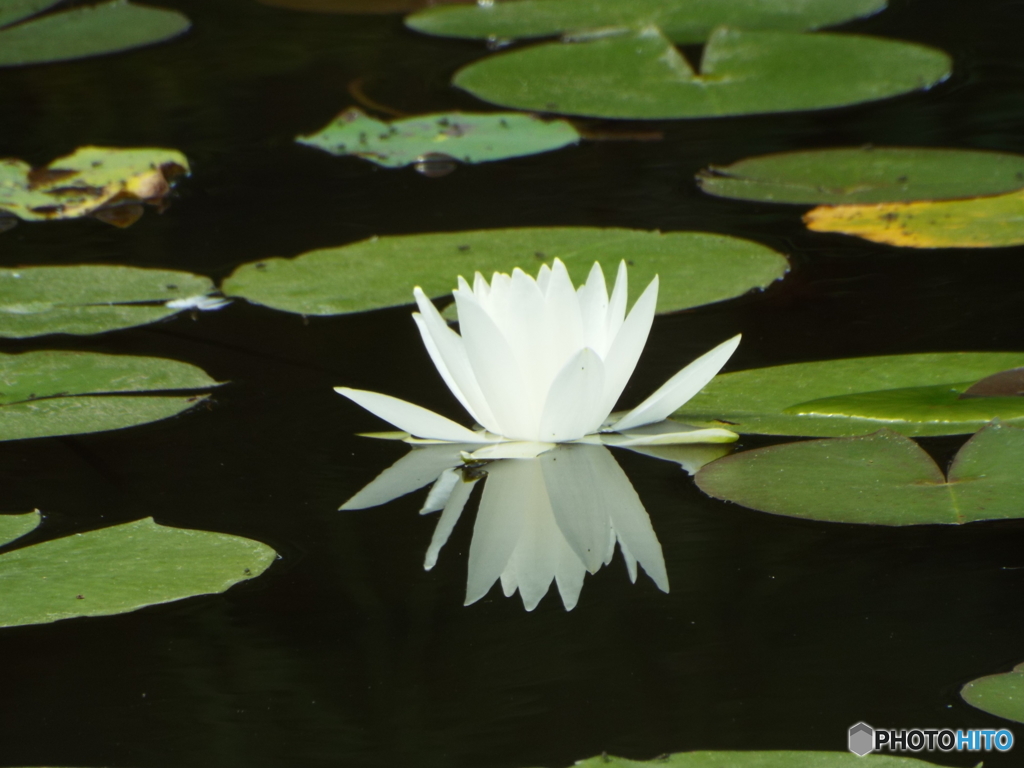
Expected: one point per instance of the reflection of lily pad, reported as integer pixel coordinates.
(754, 759)
(466, 137)
(15, 526)
(866, 175)
(694, 267)
(684, 21)
(105, 182)
(883, 479)
(121, 569)
(88, 30)
(90, 299)
(67, 393)
(911, 394)
(641, 75)
(984, 222)
(999, 695)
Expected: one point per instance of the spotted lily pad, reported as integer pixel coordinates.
(88, 30)
(464, 137)
(866, 175)
(1000, 695)
(882, 479)
(121, 569)
(983, 222)
(911, 394)
(68, 393)
(106, 182)
(15, 526)
(684, 21)
(694, 267)
(89, 299)
(640, 75)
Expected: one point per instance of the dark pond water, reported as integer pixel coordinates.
(778, 633)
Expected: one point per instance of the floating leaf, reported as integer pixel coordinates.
(640, 75)
(90, 299)
(999, 695)
(753, 759)
(694, 267)
(15, 526)
(355, 6)
(912, 394)
(866, 175)
(983, 222)
(12, 11)
(90, 180)
(121, 569)
(465, 137)
(882, 479)
(88, 30)
(68, 393)
(684, 21)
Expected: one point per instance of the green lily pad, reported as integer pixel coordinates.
(91, 299)
(640, 75)
(684, 21)
(695, 268)
(121, 569)
(752, 759)
(88, 30)
(982, 222)
(1000, 695)
(881, 479)
(49, 393)
(12, 11)
(916, 395)
(15, 526)
(866, 175)
(462, 136)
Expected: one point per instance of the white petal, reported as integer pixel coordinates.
(535, 558)
(690, 457)
(414, 470)
(625, 349)
(617, 302)
(676, 391)
(446, 522)
(593, 299)
(569, 577)
(578, 487)
(411, 418)
(632, 525)
(573, 407)
(440, 491)
(510, 449)
(687, 437)
(562, 333)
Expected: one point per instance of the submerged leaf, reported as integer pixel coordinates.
(882, 479)
(640, 75)
(121, 569)
(51, 393)
(89, 181)
(684, 21)
(695, 268)
(15, 526)
(87, 299)
(1000, 695)
(911, 394)
(88, 30)
(866, 175)
(465, 137)
(983, 222)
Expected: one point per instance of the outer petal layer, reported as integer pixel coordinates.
(411, 418)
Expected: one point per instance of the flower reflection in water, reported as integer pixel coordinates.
(550, 518)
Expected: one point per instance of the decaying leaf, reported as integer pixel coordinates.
(1003, 384)
(108, 183)
(981, 222)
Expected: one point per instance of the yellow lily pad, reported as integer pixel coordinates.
(981, 222)
(109, 183)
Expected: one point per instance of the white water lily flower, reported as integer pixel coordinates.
(540, 362)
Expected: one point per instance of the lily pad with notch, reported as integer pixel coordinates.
(981, 222)
(1001, 695)
(640, 75)
(866, 175)
(82, 31)
(881, 479)
(915, 395)
(49, 393)
(683, 21)
(88, 299)
(464, 137)
(694, 268)
(120, 569)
